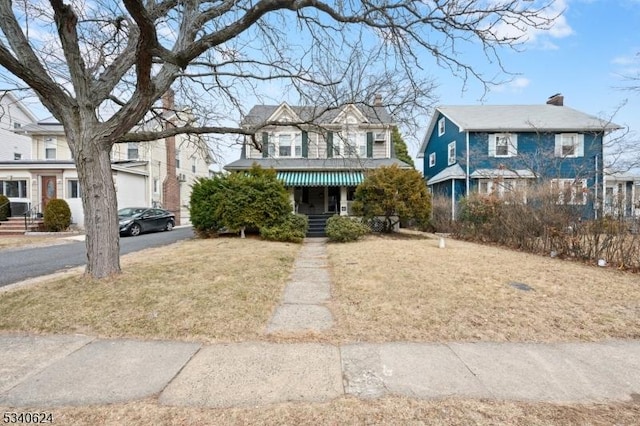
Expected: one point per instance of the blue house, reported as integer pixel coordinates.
(496, 149)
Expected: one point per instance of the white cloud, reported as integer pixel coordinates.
(513, 86)
(540, 37)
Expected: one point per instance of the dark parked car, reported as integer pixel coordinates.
(136, 220)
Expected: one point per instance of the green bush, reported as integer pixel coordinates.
(343, 229)
(292, 229)
(253, 199)
(57, 215)
(204, 195)
(5, 207)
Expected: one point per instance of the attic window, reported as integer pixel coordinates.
(441, 124)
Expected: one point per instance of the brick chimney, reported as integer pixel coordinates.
(377, 100)
(557, 100)
(170, 185)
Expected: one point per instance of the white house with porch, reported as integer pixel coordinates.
(320, 154)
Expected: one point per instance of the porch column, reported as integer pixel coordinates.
(326, 199)
(292, 199)
(343, 201)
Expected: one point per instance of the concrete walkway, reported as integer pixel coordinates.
(302, 309)
(50, 371)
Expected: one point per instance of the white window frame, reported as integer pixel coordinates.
(70, 183)
(512, 144)
(451, 153)
(50, 148)
(177, 159)
(503, 187)
(156, 185)
(432, 159)
(21, 194)
(295, 145)
(350, 144)
(133, 147)
(560, 186)
(441, 126)
(569, 139)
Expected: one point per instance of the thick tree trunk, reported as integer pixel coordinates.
(100, 208)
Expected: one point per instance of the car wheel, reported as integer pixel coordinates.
(169, 226)
(134, 230)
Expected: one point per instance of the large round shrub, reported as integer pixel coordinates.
(5, 207)
(252, 199)
(57, 215)
(293, 228)
(342, 229)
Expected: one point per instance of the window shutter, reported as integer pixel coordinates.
(579, 145)
(305, 144)
(492, 145)
(513, 145)
(369, 145)
(329, 144)
(265, 144)
(558, 149)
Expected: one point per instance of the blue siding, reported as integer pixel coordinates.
(536, 153)
(440, 145)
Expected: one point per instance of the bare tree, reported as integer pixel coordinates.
(99, 67)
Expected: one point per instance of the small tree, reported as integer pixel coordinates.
(402, 153)
(395, 194)
(57, 215)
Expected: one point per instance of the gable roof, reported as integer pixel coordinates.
(260, 114)
(517, 118)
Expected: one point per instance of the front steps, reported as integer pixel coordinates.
(317, 224)
(15, 226)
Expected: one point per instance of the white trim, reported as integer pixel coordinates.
(563, 140)
(451, 159)
(561, 185)
(511, 140)
(432, 159)
(442, 122)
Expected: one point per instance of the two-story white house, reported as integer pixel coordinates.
(145, 174)
(321, 155)
(13, 115)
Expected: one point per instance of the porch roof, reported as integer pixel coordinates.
(319, 178)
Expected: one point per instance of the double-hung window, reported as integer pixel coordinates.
(569, 145)
(432, 159)
(503, 145)
(354, 145)
(288, 145)
(452, 153)
(50, 148)
(132, 151)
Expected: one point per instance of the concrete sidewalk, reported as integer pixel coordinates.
(49, 371)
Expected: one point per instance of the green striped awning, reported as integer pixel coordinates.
(304, 178)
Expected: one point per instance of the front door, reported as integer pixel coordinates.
(49, 191)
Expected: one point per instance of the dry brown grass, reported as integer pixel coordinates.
(349, 411)
(16, 241)
(406, 288)
(207, 290)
